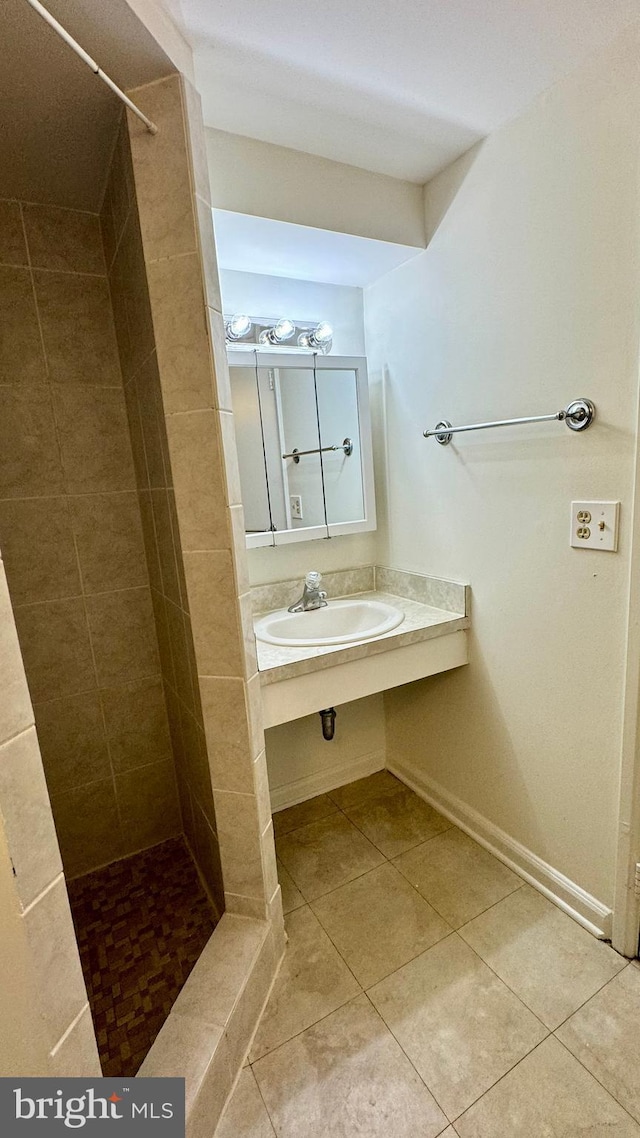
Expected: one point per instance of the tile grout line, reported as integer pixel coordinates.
(611, 1094)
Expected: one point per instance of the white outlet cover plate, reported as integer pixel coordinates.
(603, 525)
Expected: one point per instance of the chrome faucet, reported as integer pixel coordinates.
(313, 596)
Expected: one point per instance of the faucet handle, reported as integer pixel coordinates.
(313, 579)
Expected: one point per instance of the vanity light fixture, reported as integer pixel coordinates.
(318, 337)
(279, 333)
(238, 327)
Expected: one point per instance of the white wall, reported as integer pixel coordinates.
(526, 297)
(342, 306)
(260, 295)
(254, 177)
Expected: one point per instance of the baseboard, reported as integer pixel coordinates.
(587, 910)
(326, 779)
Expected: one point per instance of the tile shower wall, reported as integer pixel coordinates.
(219, 677)
(156, 496)
(72, 540)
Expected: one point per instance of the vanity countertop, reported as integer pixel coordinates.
(421, 622)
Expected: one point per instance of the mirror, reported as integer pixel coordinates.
(304, 445)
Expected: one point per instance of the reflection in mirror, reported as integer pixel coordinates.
(302, 472)
(304, 445)
(251, 453)
(338, 415)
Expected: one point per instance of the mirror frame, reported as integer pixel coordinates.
(357, 364)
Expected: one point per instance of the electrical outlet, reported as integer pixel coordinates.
(295, 501)
(594, 525)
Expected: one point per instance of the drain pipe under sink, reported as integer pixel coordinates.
(328, 717)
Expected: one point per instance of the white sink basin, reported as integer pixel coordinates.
(341, 622)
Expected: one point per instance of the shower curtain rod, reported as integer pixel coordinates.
(86, 58)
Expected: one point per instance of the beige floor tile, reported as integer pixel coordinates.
(604, 1035)
(459, 1024)
(378, 923)
(245, 1115)
(313, 981)
(397, 822)
(354, 793)
(291, 896)
(346, 1077)
(457, 876)
(548, 960)
(313, 810)
(325, 855)
(549, 1093)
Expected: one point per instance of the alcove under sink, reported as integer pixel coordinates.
(340, 622)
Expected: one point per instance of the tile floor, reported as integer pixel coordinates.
(427, 990)
(141, 924)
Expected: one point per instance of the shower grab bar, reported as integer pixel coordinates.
(346, 445)
(578, 416)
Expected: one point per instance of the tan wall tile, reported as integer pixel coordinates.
(227, 733)
(195, 764)
(56, 961)
(136, 293)
(149, 537)
(109, 540)
(94, 439)
(261, 790)
(179, 321)
(29, 454)
(196, 461)
(269, 867)
(212, 602)
(239, 547)
(248, 635)
(122, 189)
(77, 329)
(88, 826)
(254, 707)
(15, 706)
(161, 172)
(25, 808)
(230, 452)
(206, 240)
(123, 636)
(222, 382)
(196, 139)
(240, 847)
(77, 1055)
(164, 539)
(136, 435)
(136, 722)
(207, 854)
(21, 355)
(65, 240)
(107, 226)
(162, 632)
(148, 804)
(177, 545)
(179, 653)
(55, 645)
(147, 383)
(72, 741)
(13, 250)
(37, 545)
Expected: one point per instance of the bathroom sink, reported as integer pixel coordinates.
(341, 622)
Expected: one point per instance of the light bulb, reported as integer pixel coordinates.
(304, 340)
(283, 331)
(238, 326)
(322, 333)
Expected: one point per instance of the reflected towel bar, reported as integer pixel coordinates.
(578, 416)
(346, 445)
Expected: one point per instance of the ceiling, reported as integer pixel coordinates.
(282, 249)
(58, 119)
(401, 87)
